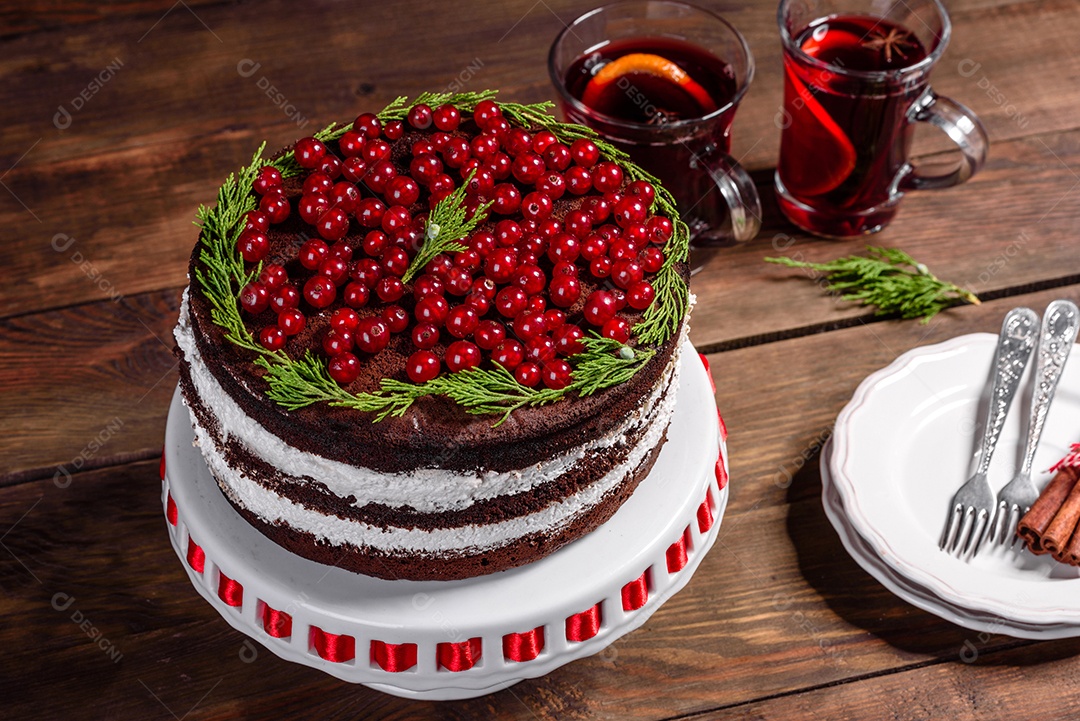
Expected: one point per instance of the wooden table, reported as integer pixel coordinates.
(121, 117)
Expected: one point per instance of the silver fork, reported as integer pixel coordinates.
(1056, 339)
(972, 509)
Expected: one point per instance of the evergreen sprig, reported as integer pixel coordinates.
(889, 279)
(297, 383)
(447, 225)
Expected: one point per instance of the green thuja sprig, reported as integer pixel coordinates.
(890, 280)
(447, 225)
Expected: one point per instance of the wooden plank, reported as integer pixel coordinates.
(775, 608)
(86, 386)
(45, 15)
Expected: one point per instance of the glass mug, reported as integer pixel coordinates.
(856, 80)
(681, 136)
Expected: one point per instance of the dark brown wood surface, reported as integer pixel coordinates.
(779, 623)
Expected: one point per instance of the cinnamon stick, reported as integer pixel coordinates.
(1071, 553)
(1061, 529)
(1037, 521)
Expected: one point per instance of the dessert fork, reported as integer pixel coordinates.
(1056, 339)
(973, 506)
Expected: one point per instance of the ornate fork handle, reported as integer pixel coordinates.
(1056, 340)
(1010, 360)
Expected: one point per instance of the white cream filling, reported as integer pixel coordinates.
(465, 540)
(426, 489)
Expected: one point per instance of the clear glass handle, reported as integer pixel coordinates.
(740, 194)
(963, 127)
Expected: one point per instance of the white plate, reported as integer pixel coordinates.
(907, 441)
(917, 596)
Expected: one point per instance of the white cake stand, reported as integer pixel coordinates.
(680, 503)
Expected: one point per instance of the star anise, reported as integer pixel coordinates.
(894, 42)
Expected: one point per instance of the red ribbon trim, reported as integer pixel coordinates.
(276, 623)
(723, 426)
(459, 656)
(170, 510)
(523, 646)
(336, 648)
(195, 556)
(636, 593)
(393, 657)
(704, 516)
(721, 472)
(708, 371)
(161, 464)
(583, 626)
(676, 553)
(229, 591)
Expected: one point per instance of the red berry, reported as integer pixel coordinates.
(462, 321)
(420, 116)
(484, 147)
(394, 130)
(366, 271)
(556, 374)
(320, 291)
(600, 267)
(537, 206)
(594, 246)
(330, 166)
(312, 207)
(372, 335)
(500, 166)
(618, 295)
(344, 319)
(286, 297)
(309, 152)
(427, 285)
(554, 318)
(552, 185)
(564, 268)
(584, 152)
(333, 225)
(607, 177)
(528, 374)
(489, 334)
(313, 253)
(636, 233)
(461, 355)
(318, 183)
(659, 229)
(642, 190)
(652, 259)
(441, 185)
(336, 269)
(616, 329)
(500, 265)
(518, 141)
(543, 140)
(422, 366)
(273, 276)
(509, 354)
(597, 207)
(557, 156)
(253, 245)
(498, 127)
(345, 196)
(369, 212)
(275, 207)
(402, 190)
(369, 124)
(626, 273)
(537, 304)
(630, 210)
(376, 150)
(351, 143)
(480, 302)
(511, 301)
(425, 167)
(342, 251)
(458, 280)
(396, 219)
(267, 180)
(432, 309)
(395, 317)
(254, 220)
(564, 290)
(446, 118)
(272, 338)
(528, 325)
(578, 180)
(356, 295)
(254, 298)
(395, 261)
(336, 342)
(622, 249)
(354, 169)
(456, 152)
(640, 295)
(425, 336)
(528, 168)
(440, 266)
(344, 368)
(567, 339)
(380, 175)
(540, 348)
(507, 233)
(485, 112)
(599, 307)
(529, 278)
(564, 248)
(291, 321)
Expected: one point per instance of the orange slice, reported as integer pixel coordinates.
(648, 64)
(827, 155)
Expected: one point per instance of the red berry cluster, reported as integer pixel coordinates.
(516, 292)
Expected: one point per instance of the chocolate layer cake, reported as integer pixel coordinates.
(451, 418)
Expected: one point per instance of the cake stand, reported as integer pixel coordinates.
(443, 640)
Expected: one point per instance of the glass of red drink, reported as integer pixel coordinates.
(856, 79)
(662, 80)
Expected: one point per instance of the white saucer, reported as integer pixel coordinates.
(665, 508)
(907, 441)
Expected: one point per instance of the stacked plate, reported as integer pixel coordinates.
(901, 448)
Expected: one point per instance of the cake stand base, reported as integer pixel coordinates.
(443, 640)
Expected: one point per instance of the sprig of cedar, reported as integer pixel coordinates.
(297, 383)
(890, 280)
